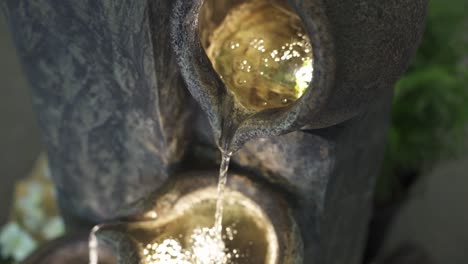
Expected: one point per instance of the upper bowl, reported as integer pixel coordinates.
(358, 51)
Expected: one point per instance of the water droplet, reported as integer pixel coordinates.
(233, 44)
(241, 81)
(239, 66)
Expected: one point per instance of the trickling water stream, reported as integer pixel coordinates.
(93, 246)
(223, 169)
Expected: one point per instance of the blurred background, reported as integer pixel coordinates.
(421, 204)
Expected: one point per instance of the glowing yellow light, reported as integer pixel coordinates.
(187, 236)
(303, 77)
(168, 252)
(271, 64)
(207, 248)
(204, 248)
(152, 214)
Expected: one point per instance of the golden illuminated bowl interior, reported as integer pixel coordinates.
(259, 49)
(184, 235)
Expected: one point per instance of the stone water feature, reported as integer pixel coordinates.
(131, 111)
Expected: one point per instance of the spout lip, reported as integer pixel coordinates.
(209, 91)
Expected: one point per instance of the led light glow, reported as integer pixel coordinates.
(204, 248)
(188, 236)
(263, 55)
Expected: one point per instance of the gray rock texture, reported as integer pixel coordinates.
(110, 101)
(330, 175)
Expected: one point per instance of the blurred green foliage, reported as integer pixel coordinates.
(430, 111)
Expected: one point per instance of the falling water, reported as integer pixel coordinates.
(223, 169)
(93, 246)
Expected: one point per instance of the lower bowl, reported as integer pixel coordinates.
(70, 249)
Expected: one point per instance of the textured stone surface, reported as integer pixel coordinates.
(330, 175)
(299, 162)
(358, 154)
(110, 101)
(374, 41)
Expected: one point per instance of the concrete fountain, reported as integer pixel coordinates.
(133, 108)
